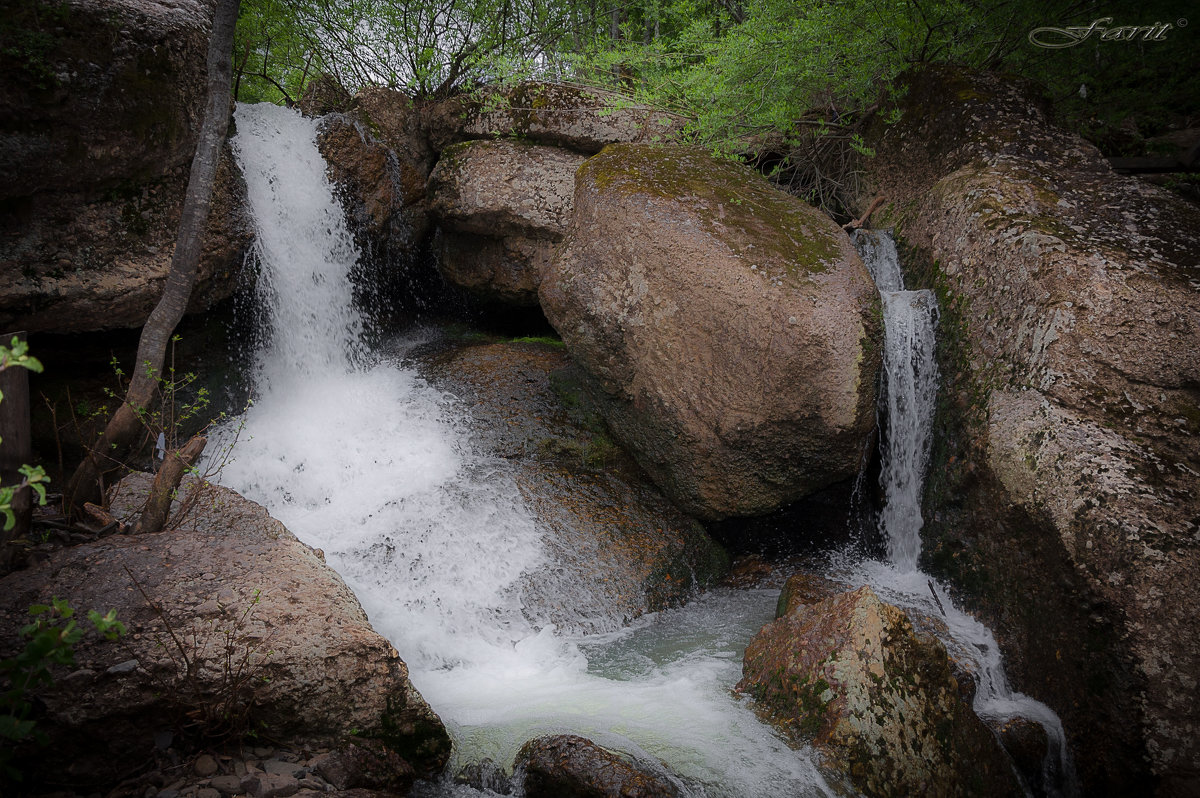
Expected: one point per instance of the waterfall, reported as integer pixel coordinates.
(910, 389)
(911, 379)
(357, 455)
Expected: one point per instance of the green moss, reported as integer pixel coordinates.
(543, 340)
(786, 234)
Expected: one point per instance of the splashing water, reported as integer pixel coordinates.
(376, 467)
(910, 369)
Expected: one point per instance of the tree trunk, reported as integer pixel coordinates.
(87, 483)
(166, 481)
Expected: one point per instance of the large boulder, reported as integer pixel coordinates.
(731, 330)
(227, 614)
(1063, 491)
(850, 674)
(99, 91)
(569, 766)
(502, 207)
(75, 262)
(98, 121)
(584, 120)
(618, 547)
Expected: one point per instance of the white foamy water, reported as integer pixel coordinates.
(911, 381)
(373, 465)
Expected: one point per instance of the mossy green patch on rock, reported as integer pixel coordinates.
(724, 195)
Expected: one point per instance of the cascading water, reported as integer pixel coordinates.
(910, 369)
(359, 456)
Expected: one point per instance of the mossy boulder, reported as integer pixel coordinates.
(1062, 493)
(579, 119)
(850, 675)
(730, 331)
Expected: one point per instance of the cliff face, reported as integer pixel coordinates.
(1063, 492)
(98, 122)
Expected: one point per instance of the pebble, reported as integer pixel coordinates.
(205, 766)
(228, 785)
(208, 792)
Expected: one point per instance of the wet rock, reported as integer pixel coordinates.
(1062, 493)
(850, 675)
(370, 182)
(365, 764)
(227, 785)
(584, 120)
(682, 275)
(313, 666)
(619, 548)
(502, 207)
(1026, 742)
(802, 589)
(485, 775)
(567, 766)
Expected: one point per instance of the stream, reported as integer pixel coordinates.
(359, 456)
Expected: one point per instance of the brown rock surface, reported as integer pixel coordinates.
(620, 549)
(731, 329)
(502, 206)
(1063, 492)
(878, 700)
(99, 91)
(314, 666)
(568, 766)
(97, 128)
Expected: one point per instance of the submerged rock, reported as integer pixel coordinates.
(230, 580)
(851, 675)
(618, 547)
(502, 207)
(1062, 493)
(731, 331)
(568, 766)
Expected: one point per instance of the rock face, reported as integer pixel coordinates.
(619, 547)
(76, 263)
(1063, 491)
(731, 330)
(96, 136)
(313, 666)
(850, 674)
(567, 766)
(502, 207)
(584, 120)
(99, 92)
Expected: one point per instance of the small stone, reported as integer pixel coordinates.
(123, 667)
(239, 768)
(205, 766)
(284, 768)
(168, 793)
(208, 792)
(228, 785)
(268, 785)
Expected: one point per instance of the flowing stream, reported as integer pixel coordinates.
(359, 456)
(911, 378)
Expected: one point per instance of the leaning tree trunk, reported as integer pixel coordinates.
(124, 427)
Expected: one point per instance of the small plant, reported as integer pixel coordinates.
(17, 354)
(217, 668)
(51, 641)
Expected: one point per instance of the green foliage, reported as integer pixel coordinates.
(51, 639)
(17, 355)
